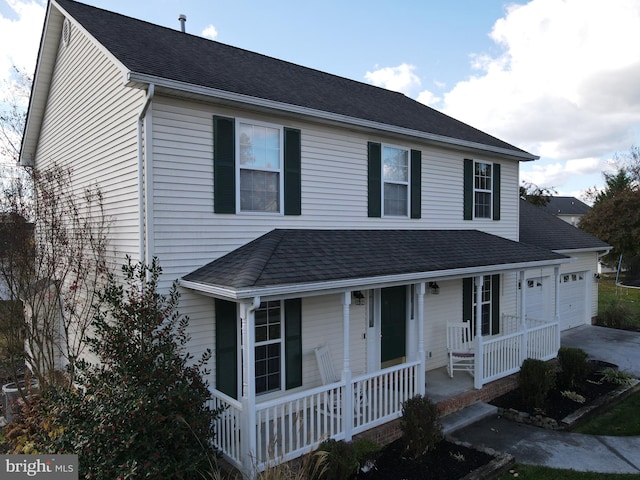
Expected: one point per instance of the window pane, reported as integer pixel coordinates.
(483, 205)
(267, 366)
(482, 176)
(395, 199)
(259, 146)
(259, 191)
(395, 164)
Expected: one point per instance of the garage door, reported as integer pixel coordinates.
(572, 299)
(536, 295)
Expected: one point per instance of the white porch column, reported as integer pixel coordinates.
(523, 317)
(422, 367)
(556, 272)
(347, 411)
(248, 421)
(478, 379)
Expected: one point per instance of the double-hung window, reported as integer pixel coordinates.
(481, 190)
(394, 178)
(256, 167)
(260, 165)
(489, 304)
(395, 174)
(268, 348)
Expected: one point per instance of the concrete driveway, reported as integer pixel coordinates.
(621, 347)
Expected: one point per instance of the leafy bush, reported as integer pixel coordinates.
(615, 314)
(344, 460)
(535, 381)
(141, 412)
(574, 367)
(419, 424)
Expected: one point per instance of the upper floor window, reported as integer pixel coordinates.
(481, 190)
(395, 175)
(256, 167)
(260, 162)
(394, 181)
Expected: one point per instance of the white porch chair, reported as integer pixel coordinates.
(460, 347)
(329, 374)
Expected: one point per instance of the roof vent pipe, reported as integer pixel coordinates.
(183, 19)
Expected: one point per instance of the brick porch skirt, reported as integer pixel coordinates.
(387, 433)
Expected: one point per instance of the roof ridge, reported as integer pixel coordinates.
(263, 250)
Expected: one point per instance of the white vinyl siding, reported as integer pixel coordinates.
(91, 124)
(187, 234)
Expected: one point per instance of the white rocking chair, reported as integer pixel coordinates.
(328, 374)
(460, 348)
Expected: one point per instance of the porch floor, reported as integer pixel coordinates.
(439, 386)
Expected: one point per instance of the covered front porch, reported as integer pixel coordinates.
(281, 429)
(425, 279)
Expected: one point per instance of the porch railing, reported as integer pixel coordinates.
(503, 354)
(227, 426)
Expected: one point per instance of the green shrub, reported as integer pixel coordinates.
(344, 460)
(615, 314)
(574, 367)
(142, 412)
(615, 376)
(419, 424)
(535, 381)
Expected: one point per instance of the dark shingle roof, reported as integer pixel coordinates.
(283, 257)
(539, 228)
(161, 52)
(566, 206)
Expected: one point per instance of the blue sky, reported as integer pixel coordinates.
(558, 78)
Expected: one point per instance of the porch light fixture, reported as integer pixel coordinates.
(359, 297)
(435, 288)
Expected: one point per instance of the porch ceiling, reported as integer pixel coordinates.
(328, 259)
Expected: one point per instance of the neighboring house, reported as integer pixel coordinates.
(298, 209)
(578, 287)
(569, 209)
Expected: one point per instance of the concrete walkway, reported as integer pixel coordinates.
(559, 449)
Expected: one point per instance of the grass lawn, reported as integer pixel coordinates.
(622, 419)
(609, 293)
(530, 472)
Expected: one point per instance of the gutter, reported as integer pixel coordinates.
(142, 169)
(198, 90)
(338, 286)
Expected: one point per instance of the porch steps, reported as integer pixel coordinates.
(466, 416)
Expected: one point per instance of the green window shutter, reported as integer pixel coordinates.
(495, 304)
(224, 168)
(468, 189)
(496, 191)
(374, 153)
(226, 348)
(292, 183)
(416, 183)
(293, 342)
(467, 301)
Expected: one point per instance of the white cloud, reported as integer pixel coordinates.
(399, 79)
(428, 98)
(565, 85)
(210, 32)
(20, 36)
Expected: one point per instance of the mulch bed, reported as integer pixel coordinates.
(558, 406)
(447, 461)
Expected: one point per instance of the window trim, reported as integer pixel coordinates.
(407, 183)
(280, 170)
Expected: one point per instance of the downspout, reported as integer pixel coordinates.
(142, 164)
